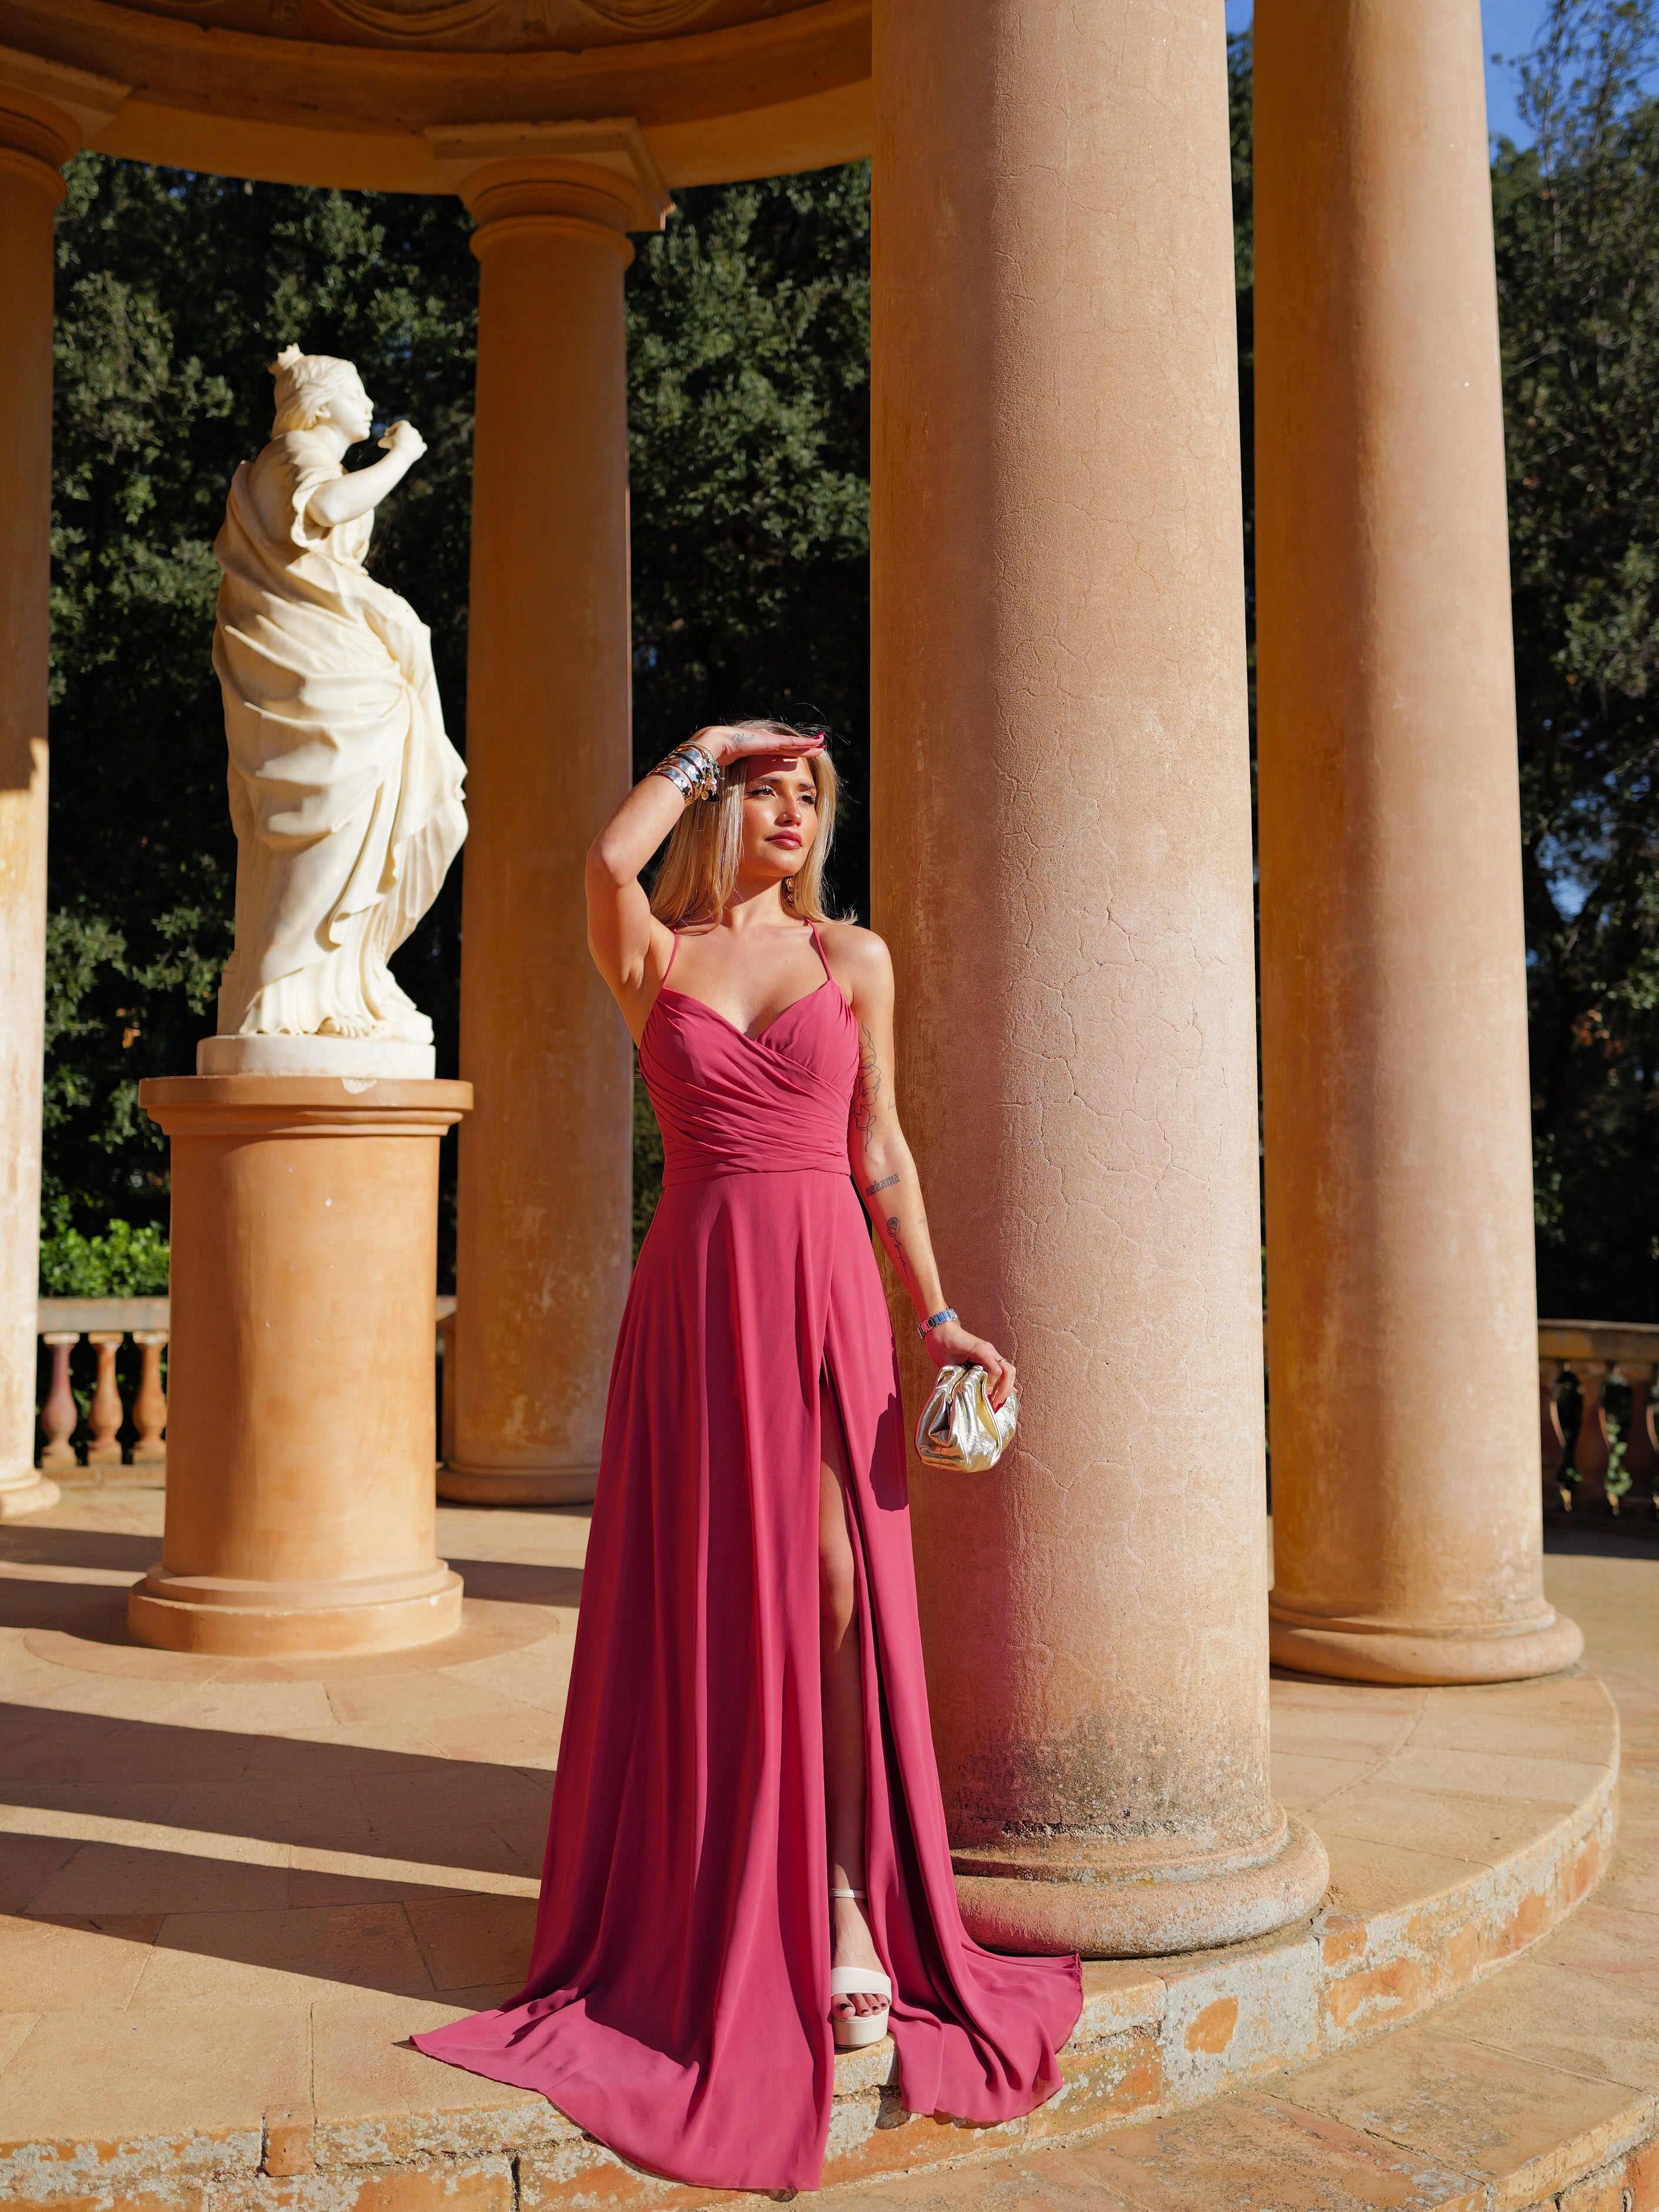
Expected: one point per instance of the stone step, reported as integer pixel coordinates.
(1265, 2154)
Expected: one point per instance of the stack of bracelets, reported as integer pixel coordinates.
(691, 772)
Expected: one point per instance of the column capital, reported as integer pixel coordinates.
(601, 175)
(48, 112)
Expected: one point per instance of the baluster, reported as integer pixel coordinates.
(60, 1413)
(149, 1407)
(107, 1412)
(1642, 1449)
(1551, 1440)
(1590, 1448)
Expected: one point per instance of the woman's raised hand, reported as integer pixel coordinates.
(723, 743)
(950, 1344)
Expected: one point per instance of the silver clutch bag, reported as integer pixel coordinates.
(959, 1427)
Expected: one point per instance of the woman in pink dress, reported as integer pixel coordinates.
(747, 1862)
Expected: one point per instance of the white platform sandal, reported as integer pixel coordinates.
(855, 2030)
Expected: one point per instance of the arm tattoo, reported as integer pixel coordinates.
(868, 1096)
(899, 1252)
(886, 1183)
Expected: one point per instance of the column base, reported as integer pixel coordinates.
(1364, 1651)
(280, 1620)
(461, 1484)
(1140, 1901)
(29, 1494)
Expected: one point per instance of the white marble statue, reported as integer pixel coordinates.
(344, 791)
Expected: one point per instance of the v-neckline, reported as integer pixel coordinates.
(758, 1037)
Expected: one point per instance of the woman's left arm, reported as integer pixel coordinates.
(886, 1173)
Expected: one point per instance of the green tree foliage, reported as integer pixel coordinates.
(749, 351)
(1576, 218)
(748, 413)
(123, 1263)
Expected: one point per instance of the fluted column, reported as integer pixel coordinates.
(544, 1180)
(1402, 1308)
(1061, 863)
(32, 145)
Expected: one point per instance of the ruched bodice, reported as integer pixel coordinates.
(732, 1104)
(677, 2000)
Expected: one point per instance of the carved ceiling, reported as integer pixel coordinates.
(477, 26)
(358, 94)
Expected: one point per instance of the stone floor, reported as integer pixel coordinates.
(233, 1888)
(252, 1839)
(1536, 2090)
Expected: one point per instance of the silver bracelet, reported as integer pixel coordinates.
(945, 1313)
(692, 772)
(703, 766)
(684, 774)
(674, 770)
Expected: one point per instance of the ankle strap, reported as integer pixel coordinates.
(848, 1893)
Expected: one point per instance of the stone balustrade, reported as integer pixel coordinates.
(1591, 1355)
(1586, 1354)
(71, 1442)
(106, 1324)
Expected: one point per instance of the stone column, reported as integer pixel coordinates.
(32, 146)
(545, 1158)
(1402, 1346)
(1061, 864)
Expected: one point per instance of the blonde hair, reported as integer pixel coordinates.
(699, 870)
(305, 383)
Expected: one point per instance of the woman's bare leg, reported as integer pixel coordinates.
(843, 1712)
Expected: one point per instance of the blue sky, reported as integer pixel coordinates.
(1509, 26)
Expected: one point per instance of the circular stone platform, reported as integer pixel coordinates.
(235, 1886)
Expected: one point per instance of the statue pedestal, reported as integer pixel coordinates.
(300, 1509)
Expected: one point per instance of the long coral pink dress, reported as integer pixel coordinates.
(678, 2005)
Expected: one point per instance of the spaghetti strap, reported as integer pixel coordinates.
(824, 957)
(673, 957)
(829, 972)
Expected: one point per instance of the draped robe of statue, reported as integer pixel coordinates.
(344, 791)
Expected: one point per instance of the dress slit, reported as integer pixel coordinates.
(898, 1909)
(869, 1676)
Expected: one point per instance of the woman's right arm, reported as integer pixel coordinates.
(630, 947)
